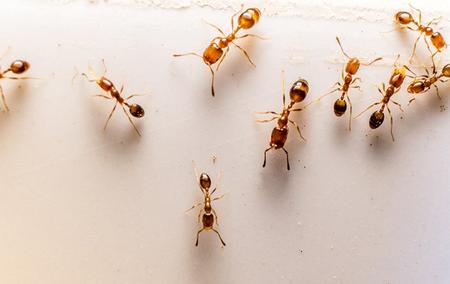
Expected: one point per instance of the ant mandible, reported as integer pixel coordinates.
(352, 66)
(436, 38)
(395, 83)
(106, 85)
(209, 214)
(220, 45)
(16, 67)
(423, 83)
(297, 93)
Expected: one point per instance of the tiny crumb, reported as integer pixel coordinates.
(304, 167)
(443, 108)
(371, 144)
(214, 159)
(301, 251)
(401, 117)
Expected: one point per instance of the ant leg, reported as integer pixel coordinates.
(324, 95)
(218, 197)
(252, 35)
(437, 92)
(129, 118)
(215, 216)
(103, 96)
(392, 124)
(412, 72)
(104, 67)
(212, 80)
(134, 95)
(186, 54)
(198, 233)
(194, 206)
(223, 243)
(223, 57)
(22, 78)
(414, 48)
(245, 53)
(5, 105)
(110, 115)
(234, 15)
(355, 80)
(287, 159)
(351, 111)
(434, 21)
(283, 83)
(298, 129)
(268, 112)
(369, 107)
(197, 177)
(268, 120)
(418, 11)
(265, 155)
(411, 100)
(397, 104)
(216, 27)
(199, 215)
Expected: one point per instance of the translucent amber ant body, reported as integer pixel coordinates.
(220, 45)
(297, 94)
(16, 67)
(436, 38)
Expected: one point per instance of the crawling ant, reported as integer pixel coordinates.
(423, 83)
(436, 38)
(207, 213)
(395, 83)
(16, 67)
(106, 85)
(352, 66)
(220, 45)
(297, 93)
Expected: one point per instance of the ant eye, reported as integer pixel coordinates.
(19, 66)
(136, 110)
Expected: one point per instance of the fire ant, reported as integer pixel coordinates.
(16, 67)
(220, 45)
(352, 66)
(423, 83)
(395, 83)
(209, 214)
(438, 41)
(108, 86)
(297, 93)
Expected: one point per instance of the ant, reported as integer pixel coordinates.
(297, 93)
(395, 83)
(423, 83)
(352, 66)
(209, 214)
(106, 85)
(436, 38)
(16, 67)
(220, 45)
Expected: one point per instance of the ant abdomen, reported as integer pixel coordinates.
(208, 220)
(299, 90)
(340, 106)
(249, 18)
(376, 119)
(136, 110)
(212, 53)
(19, 66)
(404, 18)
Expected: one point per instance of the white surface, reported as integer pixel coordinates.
(79, 205)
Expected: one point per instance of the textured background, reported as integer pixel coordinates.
(80, 205)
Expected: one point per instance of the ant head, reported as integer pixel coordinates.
(416, 87)
(205, 181)
(105, 84)
(19, 66)
(340, 106)
(136, 110)
(438, 40)
(446, 71)
(249, 18)
(404, 18)
(352, 66)
(376, 119)
(398, 77)
(299, 90)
